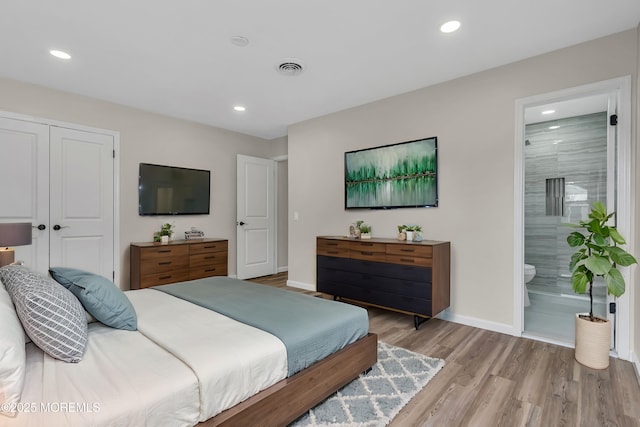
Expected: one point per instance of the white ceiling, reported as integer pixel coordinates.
(177, 58)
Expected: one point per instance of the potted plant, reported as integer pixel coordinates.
(598, 255)
(365, 230)
(165, 233)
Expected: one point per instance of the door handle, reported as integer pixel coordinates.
(59, 227)
(40, 227)
(241, 223)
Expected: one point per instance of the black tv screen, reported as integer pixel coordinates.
(168, 190)
(403, 175)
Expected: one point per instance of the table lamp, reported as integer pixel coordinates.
(13, 234)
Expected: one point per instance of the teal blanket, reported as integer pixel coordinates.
(311, 328)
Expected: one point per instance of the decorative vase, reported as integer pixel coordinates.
(593, 341)
(417, 236)
(164, 239)
(365, 235)
(409, 236)
(402, 236)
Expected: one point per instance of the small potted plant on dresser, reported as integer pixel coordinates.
(598, 255)
(165, 233)
(365, 231)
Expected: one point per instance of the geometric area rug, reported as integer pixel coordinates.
(374, 399)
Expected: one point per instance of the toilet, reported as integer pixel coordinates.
(529, 274)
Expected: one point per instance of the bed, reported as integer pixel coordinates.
(197, 356)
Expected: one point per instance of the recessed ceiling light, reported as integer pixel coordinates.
(554, 127)
(240, 41)
(450, 27)
(240, 108)
(548, 112)
(60, 54)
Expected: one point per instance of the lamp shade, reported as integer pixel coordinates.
(15, 234)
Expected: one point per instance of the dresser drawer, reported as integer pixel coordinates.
(164, 251)
(164, 278)
(199, 248)
(207, 258)
(410, 260)
(336, 248)
(159, 265)
(207, 271)
(370, 251)
(410, 250)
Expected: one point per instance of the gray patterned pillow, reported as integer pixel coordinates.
(50, 314)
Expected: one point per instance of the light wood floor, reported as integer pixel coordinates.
(492, 379)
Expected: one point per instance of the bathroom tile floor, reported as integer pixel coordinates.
(553, 316)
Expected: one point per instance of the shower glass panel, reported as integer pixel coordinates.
(565, 173)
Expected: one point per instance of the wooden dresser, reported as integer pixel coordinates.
(179, 260)
(408, 277)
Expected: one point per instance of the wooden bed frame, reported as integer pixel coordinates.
(285, 401)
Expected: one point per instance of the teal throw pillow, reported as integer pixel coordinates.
(99, 296)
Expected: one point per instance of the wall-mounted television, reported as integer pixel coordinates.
(168, 190)
(403, 175)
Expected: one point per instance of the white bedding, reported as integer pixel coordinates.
(232, 361)
(124, 379)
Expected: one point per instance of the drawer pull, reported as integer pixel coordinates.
(407, 259)
(331, 244)
(164, 251)
(210, 257)
(210, 247)
(164, 277)
(210, 269)
(333, 252)
(367, 253)
(406, 250)
(164, 263)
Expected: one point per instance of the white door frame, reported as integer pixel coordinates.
(116, 175)
(622, 87)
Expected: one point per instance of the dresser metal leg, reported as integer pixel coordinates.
(417, 321)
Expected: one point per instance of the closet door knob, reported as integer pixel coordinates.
(58, 227)
(40, 227)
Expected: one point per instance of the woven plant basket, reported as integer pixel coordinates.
(593, 340)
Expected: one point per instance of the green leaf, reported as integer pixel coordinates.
(579, 282)
(616, 236)
(575, 239)
(599, 210)
(598, 265)
(594, 226)
(615, 282)
(620, 256)
(599, 240)
(575, 258)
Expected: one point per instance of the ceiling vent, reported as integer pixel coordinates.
(290, 67)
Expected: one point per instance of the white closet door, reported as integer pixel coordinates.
(24, 185)
(81, 200)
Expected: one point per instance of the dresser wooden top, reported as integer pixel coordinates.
(177, 242)
(384, 240)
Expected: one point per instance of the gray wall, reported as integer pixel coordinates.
(152, 138)
(474, 120)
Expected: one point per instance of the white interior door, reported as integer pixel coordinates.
(256, 217)
(24, 180)
(82, 200)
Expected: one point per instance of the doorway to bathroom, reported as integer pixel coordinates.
(570, 157)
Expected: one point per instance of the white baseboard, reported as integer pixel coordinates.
(301, 285)
(283, 269)
(477, 323)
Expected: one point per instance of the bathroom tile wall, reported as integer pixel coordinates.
(577, 151)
